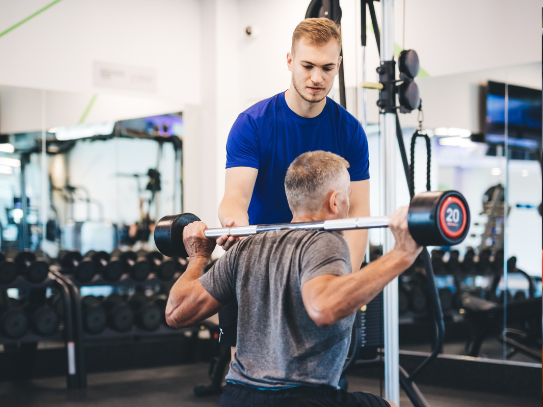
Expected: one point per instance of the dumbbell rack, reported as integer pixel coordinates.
(135, 332)
(65, 335)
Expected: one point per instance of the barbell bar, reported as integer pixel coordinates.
(435, 218)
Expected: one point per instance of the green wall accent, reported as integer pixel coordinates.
(30, 17)
(88, 108)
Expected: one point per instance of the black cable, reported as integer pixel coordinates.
(375, 25)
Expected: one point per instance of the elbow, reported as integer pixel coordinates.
(322, 317)
(174, 317)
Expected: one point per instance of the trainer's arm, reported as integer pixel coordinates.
(357, 240)
(329, 298)
(239, 185)
(189, 302)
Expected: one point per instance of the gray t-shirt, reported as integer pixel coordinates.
(278, 344)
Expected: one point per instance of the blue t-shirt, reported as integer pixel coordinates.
(269, 136)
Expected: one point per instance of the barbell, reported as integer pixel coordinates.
(435, 218)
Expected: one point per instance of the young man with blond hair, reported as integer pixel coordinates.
(268, 136)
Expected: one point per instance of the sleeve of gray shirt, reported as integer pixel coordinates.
(219, 281)
(325, 253)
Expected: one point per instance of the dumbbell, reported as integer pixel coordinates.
(147, 314)
(82, 268)
(8, 270)
(44, 321)
(164, 269)
(13, 320)
(111, 267)
(120, 316)
(483, 265)
(468, 264)
(437, 261)
(31, 268)
(94, 315)
(138, 267)
(161, 301)
(435, 219)
(453, 265)
(446, 298)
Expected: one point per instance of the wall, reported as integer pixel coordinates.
(57, 48)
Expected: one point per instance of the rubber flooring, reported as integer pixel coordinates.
(172, 387)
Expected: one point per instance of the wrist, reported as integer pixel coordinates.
(403, 259)
(206, 260)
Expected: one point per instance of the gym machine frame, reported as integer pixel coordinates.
(67, 334)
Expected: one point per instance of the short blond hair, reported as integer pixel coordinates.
(310, 177)
(316, 31)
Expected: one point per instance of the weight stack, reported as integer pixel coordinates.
(371, 327)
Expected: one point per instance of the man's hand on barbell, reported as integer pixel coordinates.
(226, 242)
(399, 227)
(196, 242)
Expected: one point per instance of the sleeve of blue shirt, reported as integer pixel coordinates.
(358, 156)
(242, 145)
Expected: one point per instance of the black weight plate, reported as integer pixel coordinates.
(121, 318)
(24, 259)
(69, 260)
(45, 321)
(94, 319)
(409, 96)
(90, 254)
(8, 272)
(85, 271)
(140, 271)
(37, 272)
(408, 63)
(128, 256)
(113, 271)
(13, 323)
(90, 300)
(446, 299)
(167, 270)
(149, 317)
(418, 300)
(169, 234)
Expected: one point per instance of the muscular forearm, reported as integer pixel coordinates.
(357, 240)
(183, 300)
(234, 208)
(341, 296)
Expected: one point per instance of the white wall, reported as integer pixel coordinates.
(57, 48)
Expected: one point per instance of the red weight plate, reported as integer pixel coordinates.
(450, 233)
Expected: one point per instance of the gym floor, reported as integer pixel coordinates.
(172, 386)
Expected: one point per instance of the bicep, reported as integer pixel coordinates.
(360, 198)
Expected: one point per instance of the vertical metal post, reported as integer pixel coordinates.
(177, 179)
(44, 207)
(388, 188)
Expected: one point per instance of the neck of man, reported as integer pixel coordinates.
(313, 217)
(302, 107)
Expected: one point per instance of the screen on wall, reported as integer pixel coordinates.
(524, 110)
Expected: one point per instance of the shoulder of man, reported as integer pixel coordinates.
(340, 112)
(263, 108)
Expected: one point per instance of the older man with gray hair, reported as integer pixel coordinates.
(296, 293)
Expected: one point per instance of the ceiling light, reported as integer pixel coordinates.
(4, 169)
(7, 148)
(495, 171)
(456, 142)
(524, 173)
(451, 132)
(12, 162)
(84, 130)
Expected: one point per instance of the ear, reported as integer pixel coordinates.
(333, 202)
(339, 62)
(290, 58)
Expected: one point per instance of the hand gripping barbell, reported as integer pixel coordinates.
(434, 219)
